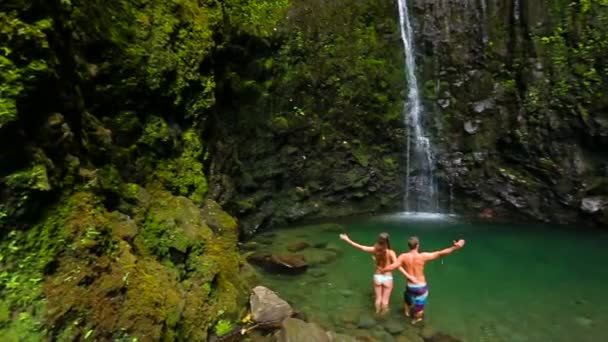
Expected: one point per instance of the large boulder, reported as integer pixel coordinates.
(267, 306)
(295, 330)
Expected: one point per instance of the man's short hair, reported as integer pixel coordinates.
(413, 242)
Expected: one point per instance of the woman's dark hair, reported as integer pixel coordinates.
(382, 245)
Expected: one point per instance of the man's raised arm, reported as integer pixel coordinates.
(435, 255)
(394, 265)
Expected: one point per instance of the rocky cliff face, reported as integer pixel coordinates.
(515, 93)
(318, 130)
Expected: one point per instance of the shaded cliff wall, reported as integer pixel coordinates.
(314, 128)
(516, 94)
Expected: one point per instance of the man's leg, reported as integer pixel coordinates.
(406, 303)
(418, 316)
(419, 303)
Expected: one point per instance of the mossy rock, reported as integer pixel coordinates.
(220, 221)
(162, 275)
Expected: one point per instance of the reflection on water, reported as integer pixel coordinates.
(509, 283)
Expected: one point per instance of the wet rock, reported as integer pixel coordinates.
(471, 127)
(409, 336)
(583, 321)
(443, 103)
(298, 246)
(487, 214)
(366, 321)
(335, 337)
(267, 306)
(284, 264)
(319, 256)
(217, 219)
(332, 247)
(393, 326)
(364, 336)
(483, 105)
(348, 318)
(347, 293)
(383, 336)
(442, 337)
(317, 273)
(322, 244)
(427, 332)
(295, 330)
(250, 246)
(259, 336)
(594, 204)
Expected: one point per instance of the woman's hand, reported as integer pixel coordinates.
(344, 237)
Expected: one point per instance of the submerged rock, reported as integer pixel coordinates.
(317, 273)
(583, 321)
(285, 264)
(267, 306)
(334, 337)
(298, 246)
(366, 321)
(441, 337)
(393, 326)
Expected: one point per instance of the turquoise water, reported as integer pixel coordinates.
(509, 283)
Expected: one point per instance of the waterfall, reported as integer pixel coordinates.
(516, 11)
(420, 187)
(484, 34)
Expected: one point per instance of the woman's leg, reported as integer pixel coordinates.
(378, 290)
(386, 294)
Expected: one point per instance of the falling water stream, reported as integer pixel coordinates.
(420, 187)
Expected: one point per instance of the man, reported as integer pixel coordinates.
(416, 292)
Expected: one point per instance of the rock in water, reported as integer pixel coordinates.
(298, 246)
(267, 306)
(366, 321)
(317, 273)
(442, 337)
(593, 204)
(295, 330)
(583, 321)
(393, 326)
(285, 264)
(333, 337)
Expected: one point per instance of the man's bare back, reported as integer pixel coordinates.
(413, 262)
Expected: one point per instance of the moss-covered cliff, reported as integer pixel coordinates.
(106, 231)
(313, 127)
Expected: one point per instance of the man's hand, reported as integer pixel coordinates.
(344, 237)
(459, 243)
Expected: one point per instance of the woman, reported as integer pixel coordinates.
(383, 256)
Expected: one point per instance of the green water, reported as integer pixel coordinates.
(509, 283)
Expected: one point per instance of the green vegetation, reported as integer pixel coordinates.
(120, 120)
(223, 327)
(105, 107)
